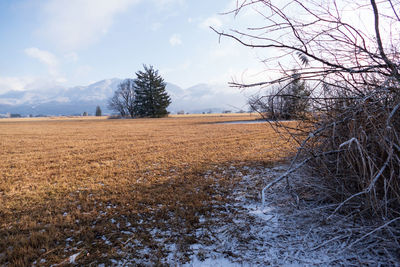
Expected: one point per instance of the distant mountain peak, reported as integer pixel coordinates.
(75, 100)
(106, 81)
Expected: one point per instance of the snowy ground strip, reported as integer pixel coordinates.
(282, 233)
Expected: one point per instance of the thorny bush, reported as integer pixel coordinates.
(348, 54)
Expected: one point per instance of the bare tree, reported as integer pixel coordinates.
(348, 51)
(123, 100)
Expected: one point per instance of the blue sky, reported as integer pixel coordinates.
(46, 43)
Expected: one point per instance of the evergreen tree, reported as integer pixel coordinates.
(152, 99)
(295, 99)
(291, 101)
(98, 111)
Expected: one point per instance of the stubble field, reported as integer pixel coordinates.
(92, 191)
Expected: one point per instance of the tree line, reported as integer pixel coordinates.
(144, 96)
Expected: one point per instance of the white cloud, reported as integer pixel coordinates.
(72, 24)
(30, 83)
(52, 63)
(211, 22)
(44, 57)
(175, 40)
(14, 83)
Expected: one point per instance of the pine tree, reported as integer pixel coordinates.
(152, 99)
(295, 99)
(292, 101)
(98, 111)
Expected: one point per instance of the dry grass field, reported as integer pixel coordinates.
(98, 189)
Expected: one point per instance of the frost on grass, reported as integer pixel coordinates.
(287, 233)
(284, 232)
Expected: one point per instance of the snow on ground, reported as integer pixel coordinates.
(279, 234)
(283, 233)
(73, 258)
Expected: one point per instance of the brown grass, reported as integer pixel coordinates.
(73, 186)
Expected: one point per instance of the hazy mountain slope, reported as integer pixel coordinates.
(76, 100)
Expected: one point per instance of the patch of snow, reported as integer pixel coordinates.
(265, 213)
(278, 234)
(73, 258)
(217, 262)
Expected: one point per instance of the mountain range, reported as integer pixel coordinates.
(76, 100)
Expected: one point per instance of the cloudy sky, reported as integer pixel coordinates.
(76, 42)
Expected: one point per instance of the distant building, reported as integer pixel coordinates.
(181, 112)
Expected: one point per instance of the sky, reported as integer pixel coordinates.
(47, 43)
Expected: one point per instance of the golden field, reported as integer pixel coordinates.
(101, 189)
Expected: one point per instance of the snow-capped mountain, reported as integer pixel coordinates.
(204, 98)
(76, 100)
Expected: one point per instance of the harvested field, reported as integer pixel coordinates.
(83, 191)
